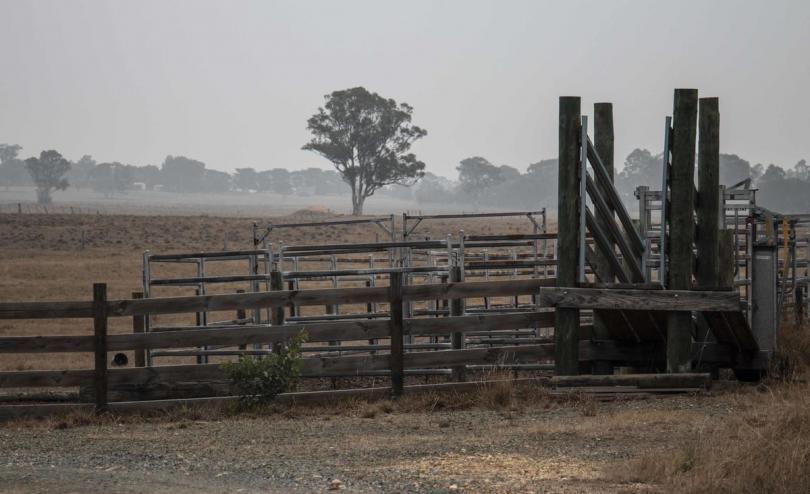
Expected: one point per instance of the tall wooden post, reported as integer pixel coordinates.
(137, 328)
(100, 345)
(681, 225)
(397, 325)
(725, 261)
(603, 145)
(277, 315)
(241, 315)
(291, 287)
(708, 203)
(566, 328)
(457, 309)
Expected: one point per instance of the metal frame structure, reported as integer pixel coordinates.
(480, 256)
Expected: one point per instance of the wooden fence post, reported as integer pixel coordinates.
(708, 201)
(138, 328)
(397, 337)
(457, 309)
(681, 225)
(566, 327)
(277, 315)
(100, 345)
(291, 287)
(370, 310)
(603, 145)
(241, 315)
(725, 262)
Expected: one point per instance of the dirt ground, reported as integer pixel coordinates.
(530, 442)
(537, 446)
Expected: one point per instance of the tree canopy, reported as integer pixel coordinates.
(367, 138)
(476, 175)
(48, 173)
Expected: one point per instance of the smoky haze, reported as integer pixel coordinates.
(232, 84)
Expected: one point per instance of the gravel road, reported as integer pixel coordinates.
(541, 447)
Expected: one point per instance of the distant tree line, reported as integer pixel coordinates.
(478, 185)
(51, 172)
(481, 184)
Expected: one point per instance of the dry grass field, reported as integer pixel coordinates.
(735, 438)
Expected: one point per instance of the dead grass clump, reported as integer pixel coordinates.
(791, 361)
(371, 410)
(765, 448)
(497, 394)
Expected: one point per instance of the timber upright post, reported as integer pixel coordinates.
(396, 328)
(277, 314)
(100, 345)
(457, 309)
(681, 225)
(603, 145)
(566, 327)
(137, 328)
(708, 201)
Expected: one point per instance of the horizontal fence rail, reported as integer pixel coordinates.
(282, 298)
(262, 334)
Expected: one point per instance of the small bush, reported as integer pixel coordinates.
(258, 381)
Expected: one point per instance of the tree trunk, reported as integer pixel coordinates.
(43, 196)
(357, 205)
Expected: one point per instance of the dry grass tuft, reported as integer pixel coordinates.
(791, 361)
(763, 447)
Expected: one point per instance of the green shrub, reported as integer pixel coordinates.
(259, 380)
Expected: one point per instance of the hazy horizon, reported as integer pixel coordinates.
(232, 84)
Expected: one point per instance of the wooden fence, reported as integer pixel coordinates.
(152, 382)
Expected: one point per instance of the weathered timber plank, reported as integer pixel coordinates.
(604, 244)
(244, 334)
(681, 220)
(204, 303)
(305, 397)
(178, 305)
(45, 378)
(663, 300)
(207, 303)
(46, 310)
(742, 330)
(566, 331)
(616, 236)
(613, 200)
(396, 357)
(685, 380)
(707, 235)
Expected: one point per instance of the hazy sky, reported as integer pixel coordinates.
(232, 83)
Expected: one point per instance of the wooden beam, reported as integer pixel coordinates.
(100, 346)
(396, 358)
(603, 243)
(644, 300)
(262, 334)
(681, 224)
(708, 200)
(45, 310)
(254, 300)
(457, 310)
(614, 201)
(616, 236)
(304, 397)
(566, 331)
(644, 381)
(138, 325)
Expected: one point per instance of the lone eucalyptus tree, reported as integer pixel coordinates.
(367, 138)
(48, 172)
